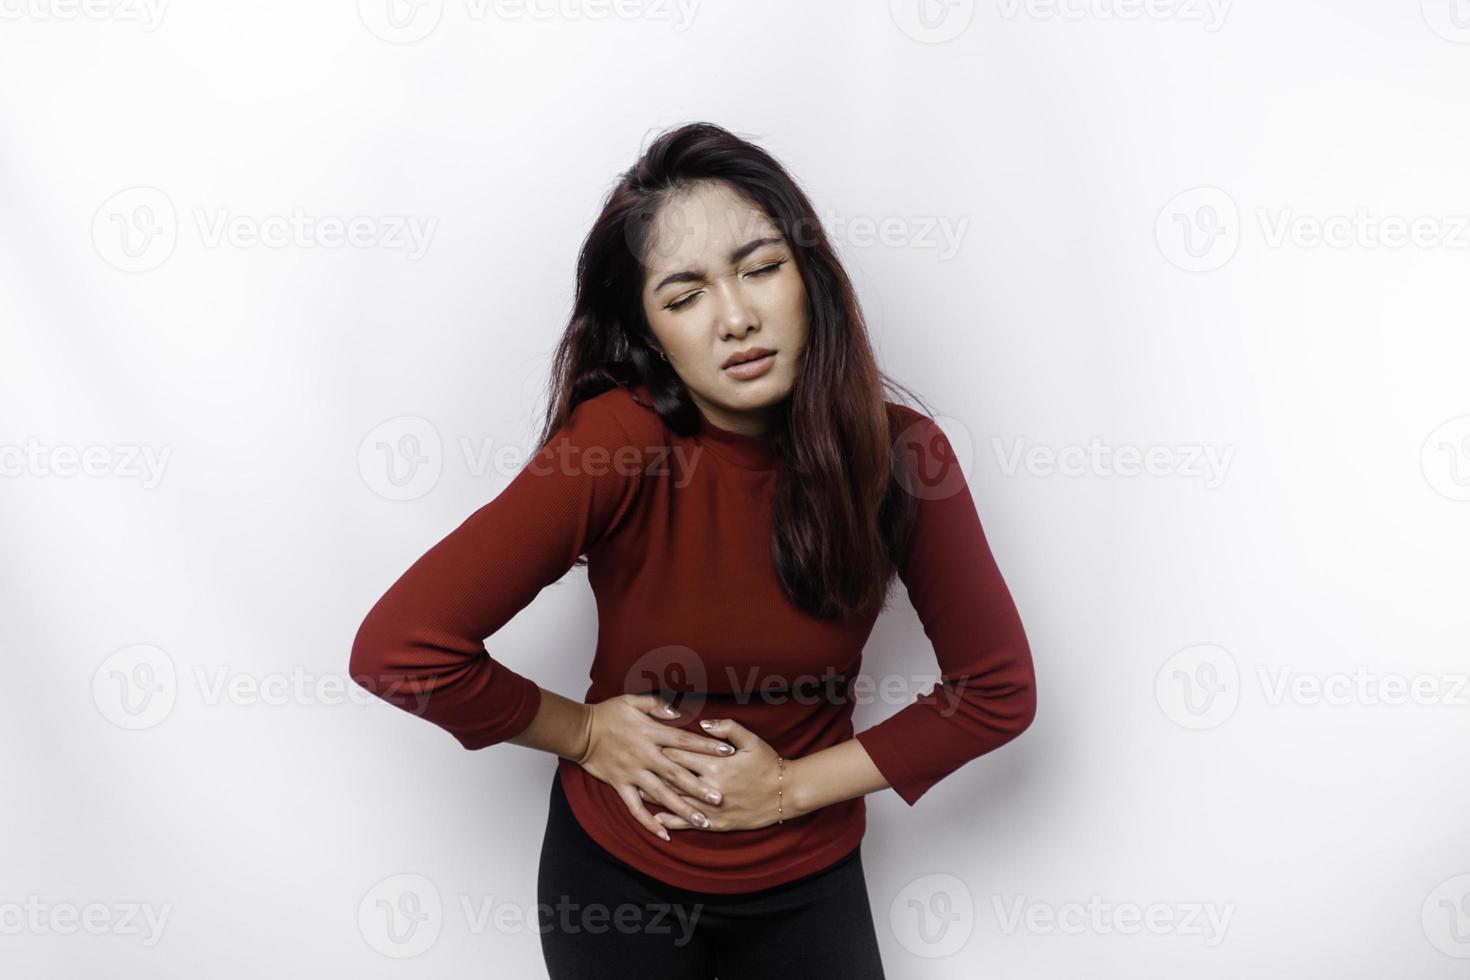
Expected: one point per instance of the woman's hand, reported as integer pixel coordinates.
(746, 781)
(628, 750)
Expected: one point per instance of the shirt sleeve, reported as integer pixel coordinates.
(421, 646)
(986, 692)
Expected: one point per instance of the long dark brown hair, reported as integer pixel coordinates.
(840, 512)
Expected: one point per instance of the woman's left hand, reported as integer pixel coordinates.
(746, 781)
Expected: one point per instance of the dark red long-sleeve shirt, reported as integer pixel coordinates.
(677, 535)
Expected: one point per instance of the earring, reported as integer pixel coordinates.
(663, 355)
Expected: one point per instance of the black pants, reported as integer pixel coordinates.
(601, 918)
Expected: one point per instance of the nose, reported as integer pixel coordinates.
(735, 314)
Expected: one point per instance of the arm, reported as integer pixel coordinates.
(421, 646)
(986, 694)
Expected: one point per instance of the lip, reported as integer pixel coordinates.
(749, 354)
(745, 370)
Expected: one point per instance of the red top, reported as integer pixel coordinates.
(677, 536)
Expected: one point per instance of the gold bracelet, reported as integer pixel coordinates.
(780, 768)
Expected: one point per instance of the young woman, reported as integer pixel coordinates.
(719, 451)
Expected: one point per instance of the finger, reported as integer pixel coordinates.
(652, 704)
(668, 817)
(695, 762)
(731, 731)
(697, 791)
(690, 742)
(674, 822)
(672, 801)
(640, 813)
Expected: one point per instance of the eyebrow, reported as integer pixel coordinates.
(694, 275)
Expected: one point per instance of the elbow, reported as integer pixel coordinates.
(1025, 707)
(367, 660)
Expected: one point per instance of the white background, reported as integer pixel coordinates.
(1133, 202)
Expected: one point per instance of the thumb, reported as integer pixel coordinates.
(730, 730)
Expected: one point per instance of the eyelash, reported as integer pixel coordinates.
(772, 267)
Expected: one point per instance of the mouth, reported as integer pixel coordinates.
(750, 364)
(745, 356)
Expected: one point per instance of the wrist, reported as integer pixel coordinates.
(584, 735)
(792, 799)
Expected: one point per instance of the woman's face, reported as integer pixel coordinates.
(720, 280)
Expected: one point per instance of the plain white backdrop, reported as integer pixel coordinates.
(1185, 279)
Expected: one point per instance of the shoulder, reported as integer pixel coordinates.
(909, 426)
(617, 417)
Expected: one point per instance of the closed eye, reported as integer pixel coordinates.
(762, 271)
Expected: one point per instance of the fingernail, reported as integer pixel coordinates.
(671, 711)
(706, 724)
(726, 749)
(664, 834)
(701, 819)
(712, 797)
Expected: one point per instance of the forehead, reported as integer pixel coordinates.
(699, 227)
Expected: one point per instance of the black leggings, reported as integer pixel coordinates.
(601, 918)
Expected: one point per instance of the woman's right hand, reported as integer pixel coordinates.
(625, 750)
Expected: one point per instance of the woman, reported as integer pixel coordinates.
(719, 448)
